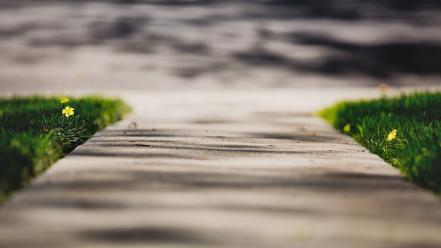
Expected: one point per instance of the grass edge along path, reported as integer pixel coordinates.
(37, 131)
(405, 131)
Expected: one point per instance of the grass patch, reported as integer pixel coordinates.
(405, 131)
(34, 133)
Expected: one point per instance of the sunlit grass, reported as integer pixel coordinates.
(37, 131)
(405, 131)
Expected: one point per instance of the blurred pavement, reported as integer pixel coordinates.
(99, 45)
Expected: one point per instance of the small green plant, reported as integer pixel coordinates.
(37, 131)
(405, 131)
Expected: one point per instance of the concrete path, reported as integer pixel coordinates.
(205, 44)
(222, 169)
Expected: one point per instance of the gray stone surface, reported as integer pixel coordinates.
(168, 44)
(226, 168)
(222, 169)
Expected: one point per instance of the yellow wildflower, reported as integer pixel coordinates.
(68, 111)
(347, 128)
(392, 135)
(64, 99)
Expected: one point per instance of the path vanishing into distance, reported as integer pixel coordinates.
(222, 169)
(66, 45)
(223, 148)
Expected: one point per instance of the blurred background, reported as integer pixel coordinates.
(98, 45)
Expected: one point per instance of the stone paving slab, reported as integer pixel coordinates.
(222, 169)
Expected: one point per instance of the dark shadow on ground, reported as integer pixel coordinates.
(147, 33)
(150, 234)
(148, 137)
(193, 180)
(347, 58)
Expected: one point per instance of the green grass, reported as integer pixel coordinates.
(416, 150)
(34, 133)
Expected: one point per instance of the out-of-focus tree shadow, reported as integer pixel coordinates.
(377, 60)
(137, 33)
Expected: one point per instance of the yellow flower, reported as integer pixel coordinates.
(64, 99)
(392, 135)
(68, 111)
(347, 128)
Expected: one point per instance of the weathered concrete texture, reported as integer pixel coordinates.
(242, 169)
